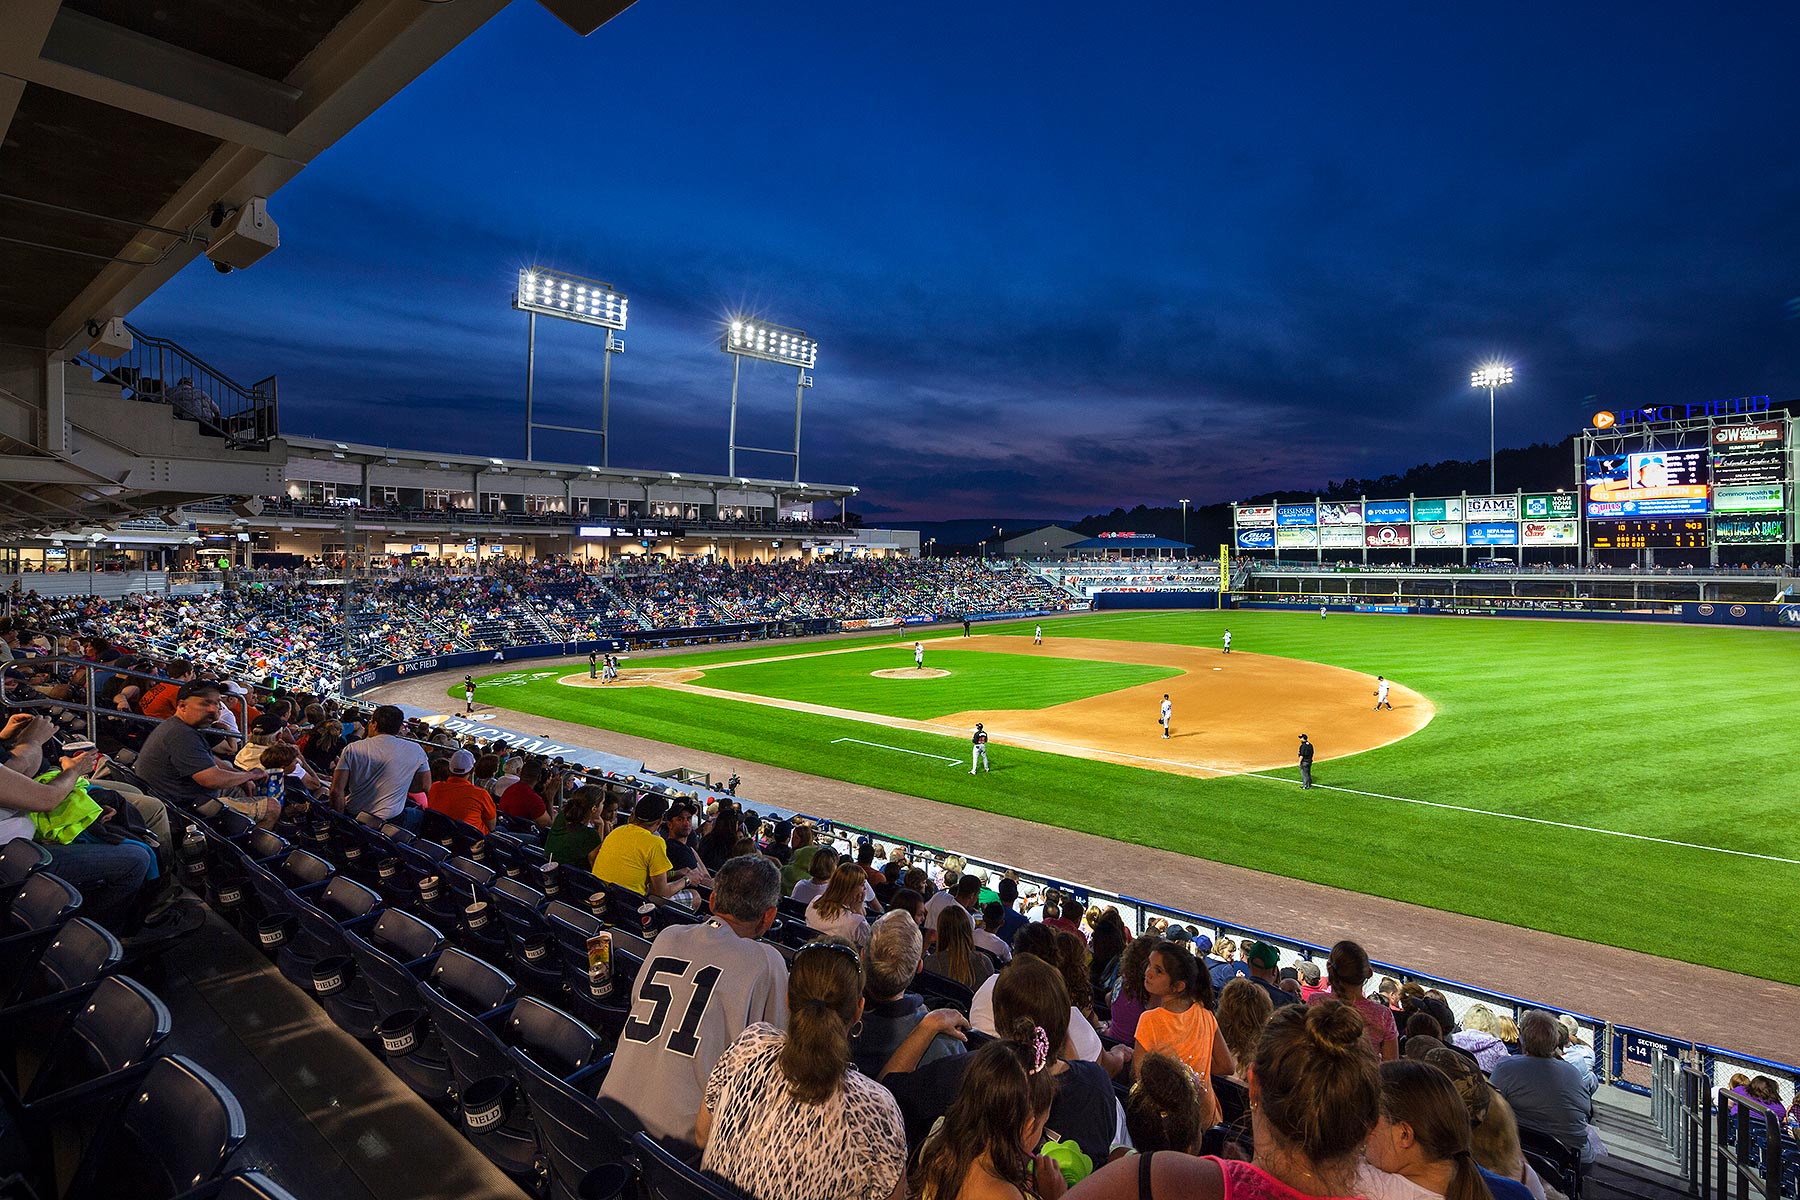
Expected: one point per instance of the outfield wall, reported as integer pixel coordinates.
(1686, 612)
(1151, 599)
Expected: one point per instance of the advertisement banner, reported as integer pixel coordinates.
(1756, 466)
(1551, 533)
(1748, 497)
(1342, 537)
(1766, 434)
(1387, 537)
(1256, 514)
(1337, 512)
(1436, 535)
(1438, 510)
(1550, 505)
(1388, 512)
(1296, 514)
(1490, 508)
(1297, 537)
(1652, 483)
(1493, 533)
(1256, 539)
(1749, 531)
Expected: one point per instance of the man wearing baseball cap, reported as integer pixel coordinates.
(177, 760)
(1264, 961)
(461, 800)
(634, 857)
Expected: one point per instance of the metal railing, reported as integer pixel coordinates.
(158, 371)
(83, 698)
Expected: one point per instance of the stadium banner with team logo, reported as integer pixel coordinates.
(1437, 534)
(1550, 533)
(1748, 497)
(1548, 505)
(1749, 531)
(1341, 537)
(1255, 514)
(1492, 533)
(1388, 512)
(1490, 508)
(1387, 537)
(1302, 537)
(1715, 613)
(1430, 511)
(1336, 512)
(1296, 514)
(1728, 437)
(1257, 538)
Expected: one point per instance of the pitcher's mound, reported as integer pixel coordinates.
(637, 677)
(909, 673)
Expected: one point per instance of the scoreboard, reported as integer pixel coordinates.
(1673, 534)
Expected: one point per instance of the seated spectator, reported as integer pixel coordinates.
(1084, 1110)
(892, 958)
(956, 957)
(911, 903)
(1039, 939)
(1417, 998)
(1109, 941)
(1244, 1009)
(634, 857)
(523, 800)
(1182, 1024)
(1480, 1036)
(1225, 965)
(1494, 1137)
(1420, 1147)
(662, 1065)
(987, 933)
(1011, 919)
(720, 842)
(678, 838)
(837, 912)
(177, 761)
(159, 699)
(573, 839)
(799, 859)
(1071, 910)
(1263, 961)
(1076, 965)
(1546, 1093)
(821, 866)
(1579, 1054)
(1130, 1000)
(1164, 1110)
(964, 892)
(986, 1147)
(1348, 970)
(1314, 1098)
(457, 797)
(1509, 1033)
(1310, 981)
(375, 774)
(785, 1117)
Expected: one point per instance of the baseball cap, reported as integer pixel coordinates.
(1263, 955)
(267, 723)
(651, 806)
(683, 808)
(1309, 971)
(235, 688)
(1465, 1073)
(462, 762)
(196, 687)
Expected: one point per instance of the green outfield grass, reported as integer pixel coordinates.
(1682, 733)
(977, 680)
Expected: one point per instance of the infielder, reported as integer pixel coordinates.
(1168, 715)
(1228, 641)
(1037, 636)
(978, 750)
(918, 656)
(1381, 695)
(468, 695)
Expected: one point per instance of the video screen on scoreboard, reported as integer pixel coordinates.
(1648, 535)
(1648, 483)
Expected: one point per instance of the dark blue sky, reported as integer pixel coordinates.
(1059, 257)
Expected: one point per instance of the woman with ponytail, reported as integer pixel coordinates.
(1315, 1095)
(1347, 971)
(986, 1147)
(1420, 1148)
(785, 1117)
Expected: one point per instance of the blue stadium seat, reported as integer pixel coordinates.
(180, 1129)
(390, 958)
(19, 859)
(668, 1177)
(467, 1000)
(575, 1131)
(45, 904)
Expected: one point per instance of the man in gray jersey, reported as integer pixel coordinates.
(699, 987)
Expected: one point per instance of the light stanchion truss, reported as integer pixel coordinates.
(748, 338)
(543, 292)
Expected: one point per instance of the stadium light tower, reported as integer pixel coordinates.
(1493, 375)
(748, 338)
(1184, 508)
(543, 292)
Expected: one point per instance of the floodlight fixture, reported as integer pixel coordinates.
(1491, 376)
(544, 292)
(751, 337)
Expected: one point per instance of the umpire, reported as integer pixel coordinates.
(1306, 757)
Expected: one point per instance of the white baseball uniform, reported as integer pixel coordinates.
(1037, 637)
(978, 751)
(918, 655)
(1168, 715)
(1381, 695)
(1228, 641)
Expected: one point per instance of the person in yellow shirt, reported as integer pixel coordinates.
(634, 856)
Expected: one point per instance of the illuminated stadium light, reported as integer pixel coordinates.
(1490, 376)
(543, 292)
(747, 337)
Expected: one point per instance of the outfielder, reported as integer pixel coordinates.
(1168, 715)
(978, 750)
(1381, 695)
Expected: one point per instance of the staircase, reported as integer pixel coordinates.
(1639, 1164)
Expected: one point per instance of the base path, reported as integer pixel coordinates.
(1703, 1004)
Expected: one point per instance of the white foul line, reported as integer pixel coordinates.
(901, 749)
(1487, 812)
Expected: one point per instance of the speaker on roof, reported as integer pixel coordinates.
(242, 238)
(110, 338)
(248, 506)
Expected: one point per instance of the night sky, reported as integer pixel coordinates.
(1058, 257)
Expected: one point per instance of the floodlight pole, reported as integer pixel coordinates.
(613, 346)
(737, 362)
(530, 373)
(1490, 436)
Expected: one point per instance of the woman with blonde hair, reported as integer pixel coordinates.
(838, 910)
(956, 956)
(1509, 1034)
(1244, 1008)
(1480, 1036)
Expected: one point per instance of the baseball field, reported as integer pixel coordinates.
(1626, 784)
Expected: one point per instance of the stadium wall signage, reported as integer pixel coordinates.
(1388, 512)
(1735, 407)
(1766, 434)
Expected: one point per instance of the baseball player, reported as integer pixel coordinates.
(1228, 641)
(1381, 695)
(1037, 636)
(593, 664)
(468, 695)
(1321, 612)
(978, 750)
(918, 656)
(1168, 715)
(1306, 757)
